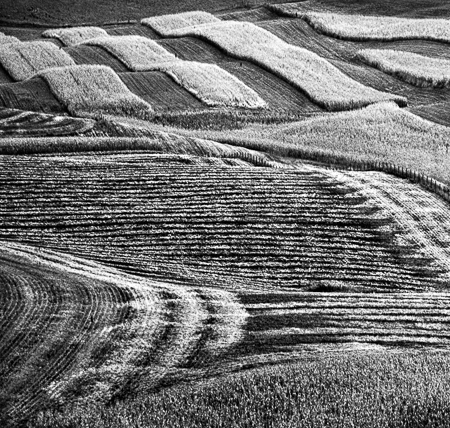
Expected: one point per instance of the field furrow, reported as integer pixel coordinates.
(87, 332)
(197, 222)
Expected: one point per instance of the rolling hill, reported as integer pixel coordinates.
(224, 214)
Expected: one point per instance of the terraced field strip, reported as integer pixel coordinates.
(361, 27)
(177, 217)
(23, 60)
(87, 90)
(33, 95)
(342, 54)
(20, 123)
(78, 330)
(412, 68)
(165, 24)
(74, 35)
(296, 322)
(320, 80)
(208, 82)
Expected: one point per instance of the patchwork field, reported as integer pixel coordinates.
(224, 215)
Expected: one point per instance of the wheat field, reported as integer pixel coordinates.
(416, 69)
(165, 24)
(24, 60)
(360, 27)
(73, 36)
(90, 90)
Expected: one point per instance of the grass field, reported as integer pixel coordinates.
(23, 60)
(248, 225)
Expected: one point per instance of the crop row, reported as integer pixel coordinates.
(282, 226)
(79, 330)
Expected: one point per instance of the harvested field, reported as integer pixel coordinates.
(73, 36)
(4, 76)
(297, 228)
(88, 90)
(160, 91)
(99, 329)
(279, 95)
(166, 24)
(93, 55)
(133, 30)
(251, 15)
(19, 123)
(412, 68)
(33, 94)
(194, 49)
(23, 60)
(438, 113)
(319, 79)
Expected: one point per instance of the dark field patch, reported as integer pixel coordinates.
(33, 95)
(160, 91)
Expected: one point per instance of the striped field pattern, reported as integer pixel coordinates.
(74, 35)
(23, 60)
(208, 82)
(317, 77)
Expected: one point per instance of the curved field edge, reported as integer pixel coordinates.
(113, 328)
(373, 137)
(20, 123)
(152, 142)
(288, 62)
(415, 69)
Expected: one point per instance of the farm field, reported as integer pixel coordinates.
(224, 214)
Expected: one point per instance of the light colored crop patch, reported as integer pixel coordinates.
(89, 89)
(416, 69)
(7, 39)
(213, 85)
(136, 52)
(317, 77)
(166, 23)
(208, 82)
(23, 60)
(73, 36)
(360, 27)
